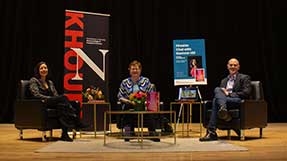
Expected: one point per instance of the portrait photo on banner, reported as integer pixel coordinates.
(189, 62)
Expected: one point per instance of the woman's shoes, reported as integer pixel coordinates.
(66, 137)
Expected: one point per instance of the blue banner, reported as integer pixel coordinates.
(189, 62)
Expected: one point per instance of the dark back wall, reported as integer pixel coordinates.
(252, 31)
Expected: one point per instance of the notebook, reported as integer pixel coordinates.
(187, 94)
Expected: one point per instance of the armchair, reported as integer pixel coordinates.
(250, 113)
(33, 114)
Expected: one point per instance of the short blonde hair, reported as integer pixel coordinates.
(135, 63)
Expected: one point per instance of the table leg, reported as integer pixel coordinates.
(141, 127)
(138, 130)
(200, 119)
(190, 115)
(182, 121)
(95, 120)
(110, 118)
(105, 123)
(174, 132)
(170, 116)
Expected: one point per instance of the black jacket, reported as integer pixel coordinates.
(241, 87)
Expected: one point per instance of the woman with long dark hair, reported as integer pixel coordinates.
(43, 88)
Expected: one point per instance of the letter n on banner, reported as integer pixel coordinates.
(86, 53)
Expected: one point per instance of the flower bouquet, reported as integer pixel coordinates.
(93, 94)
(139, 98)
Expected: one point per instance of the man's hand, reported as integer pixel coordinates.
(225, 91)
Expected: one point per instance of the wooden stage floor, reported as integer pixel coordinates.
(272, 147)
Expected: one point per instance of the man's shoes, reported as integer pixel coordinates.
(66, 137)
(237, 131)
(223, 114)
(210, 136)
(127, 140)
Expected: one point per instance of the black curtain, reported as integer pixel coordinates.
(252, 31)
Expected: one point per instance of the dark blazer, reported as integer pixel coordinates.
(38, 90)
(242, 86)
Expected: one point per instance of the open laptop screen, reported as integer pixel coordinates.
(187, 93)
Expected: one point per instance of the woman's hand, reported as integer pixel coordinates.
(127, 101)
(132, 102)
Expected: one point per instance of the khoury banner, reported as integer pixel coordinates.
(86, 53)
(189, 62)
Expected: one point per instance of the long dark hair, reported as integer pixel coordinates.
(36, 69)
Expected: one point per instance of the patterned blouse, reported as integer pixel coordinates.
(128, 87)
(39, 91)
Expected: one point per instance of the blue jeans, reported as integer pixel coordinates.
(220, 99)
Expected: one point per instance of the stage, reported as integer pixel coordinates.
(273, 146)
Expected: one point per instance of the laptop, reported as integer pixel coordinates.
(187, 94)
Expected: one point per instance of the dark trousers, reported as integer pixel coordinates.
(151, 121)
(220, 99)
(67, 112)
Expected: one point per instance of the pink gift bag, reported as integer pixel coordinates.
(152, 103)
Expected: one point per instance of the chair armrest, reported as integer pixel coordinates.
(29, 113)
(253, 113)
(161, 106)
(123, 106)
(119, 105)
